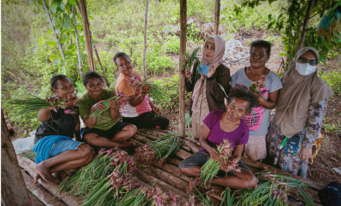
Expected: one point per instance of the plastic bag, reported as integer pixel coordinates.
(330, 24)
(24, 144)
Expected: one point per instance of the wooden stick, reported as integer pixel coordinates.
(145, 41)
(100, 64)
(67, 198)
(44, 196)
(183, 33)
(13, 187)
(80, 66)
(217, 16)
(87, 35)
(54, 31)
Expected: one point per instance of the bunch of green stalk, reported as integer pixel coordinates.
(271, 191)
(165, 147)
(211, 168)
(189, 61)
(121, 100)
(33, 103)
(82, 182)
(156, 90)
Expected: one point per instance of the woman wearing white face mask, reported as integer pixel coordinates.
(302, 104)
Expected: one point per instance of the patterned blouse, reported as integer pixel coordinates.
(308, 135)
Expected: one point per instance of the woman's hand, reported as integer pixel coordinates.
(236, 158)
(52, 100)
(224, 166)
(98, 106)
(156, 110)
(212, 70)
(113, 104)
(145, 89)
(306, 153)
(214, 154)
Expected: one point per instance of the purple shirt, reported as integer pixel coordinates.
(238, 136)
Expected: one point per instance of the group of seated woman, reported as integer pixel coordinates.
(300, 99)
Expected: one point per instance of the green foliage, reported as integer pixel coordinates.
(333, 79)
(172, 45)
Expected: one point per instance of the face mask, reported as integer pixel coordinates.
(305, 69)
(204, 69)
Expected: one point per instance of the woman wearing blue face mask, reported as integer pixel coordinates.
(302, 104)
(207, 95)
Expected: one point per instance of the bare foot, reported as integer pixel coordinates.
(127, 144)
(194, 183)
(44, 173)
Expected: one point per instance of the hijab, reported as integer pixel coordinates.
(297, 94)
(219, 50)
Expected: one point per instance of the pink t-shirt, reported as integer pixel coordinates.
(122, 85)
(238, 136)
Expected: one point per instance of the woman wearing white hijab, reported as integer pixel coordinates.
(207, 95)
(301, 106)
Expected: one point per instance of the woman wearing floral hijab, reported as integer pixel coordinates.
(301, 106)
(207, 95)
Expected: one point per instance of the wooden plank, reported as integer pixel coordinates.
(183, 37)
(217, 16)
(150, 180)
(87, 35)
(13, 189)
(67, 198)
(38, 191)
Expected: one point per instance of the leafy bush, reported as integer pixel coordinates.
(333, 79)
(172, 45)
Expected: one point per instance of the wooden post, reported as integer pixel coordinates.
(87, 35)
(13, 189)
(217, 16)
(305, 24)
(54, 31)
(77, 43)
(183, 39)
(145, 41)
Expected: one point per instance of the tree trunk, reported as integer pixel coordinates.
(305, 24)
(77, 43)
(13, 187)
(145, 41)
(87, 35)
(54, 31)
(217, 16)
(183, 32)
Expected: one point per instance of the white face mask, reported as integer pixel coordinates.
(305, 69)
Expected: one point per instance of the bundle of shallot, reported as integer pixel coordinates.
(211, 168)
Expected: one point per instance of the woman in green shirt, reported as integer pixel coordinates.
(106, 130)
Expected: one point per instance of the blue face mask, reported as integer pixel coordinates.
(204, 69)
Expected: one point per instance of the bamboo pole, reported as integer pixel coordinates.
(183, 33)
(80, 66)
(54, 31)
(305, 24)
(13, 189)
(145, 41)
(217, 16)
(87, 35)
